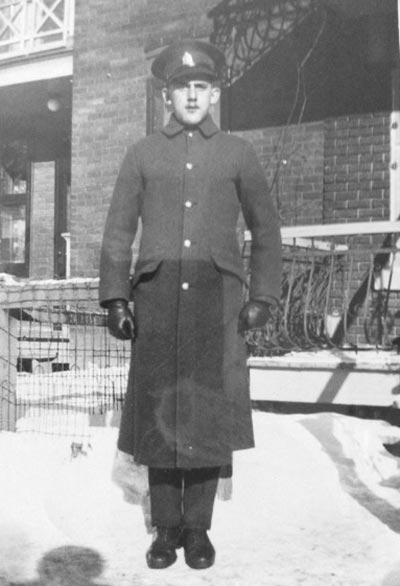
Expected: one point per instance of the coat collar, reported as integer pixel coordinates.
(174, 127)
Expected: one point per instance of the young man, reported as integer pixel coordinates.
(187, 406)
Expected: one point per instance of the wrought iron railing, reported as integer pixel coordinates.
(31, 26)
(340, 289)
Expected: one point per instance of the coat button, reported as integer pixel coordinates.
(188, 204)
(189, 165)
(187, 244)
(190, 134)
(185, 286)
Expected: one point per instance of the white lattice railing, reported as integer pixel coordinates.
(31, 26)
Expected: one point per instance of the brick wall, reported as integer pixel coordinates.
(42, 220)
(332, 171)
(293, 161)
(108, 106)
(356, 174)
(164, 22)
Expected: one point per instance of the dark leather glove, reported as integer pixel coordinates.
(120, 320)
(254, 314)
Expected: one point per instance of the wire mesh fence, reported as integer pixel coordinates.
(59, 366)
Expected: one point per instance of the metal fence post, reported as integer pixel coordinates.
(8, 371)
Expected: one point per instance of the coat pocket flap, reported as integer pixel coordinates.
(230, 265)
(143, 267)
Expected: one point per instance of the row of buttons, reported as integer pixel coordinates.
(187, 243)
(188, 204)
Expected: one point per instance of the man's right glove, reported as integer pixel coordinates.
(120, 320)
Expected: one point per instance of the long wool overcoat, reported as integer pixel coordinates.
(187, 403)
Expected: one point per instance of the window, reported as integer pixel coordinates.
(14, 191)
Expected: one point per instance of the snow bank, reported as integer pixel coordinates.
(315, 503)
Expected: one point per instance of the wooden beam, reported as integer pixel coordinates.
(330, 230)
(46, 67)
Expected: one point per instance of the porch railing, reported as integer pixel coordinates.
(32, 26)
(340, 289)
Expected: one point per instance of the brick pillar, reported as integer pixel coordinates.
(42, 220)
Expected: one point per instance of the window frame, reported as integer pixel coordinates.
(19, 269)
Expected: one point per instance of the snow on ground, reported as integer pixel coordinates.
(317, 502)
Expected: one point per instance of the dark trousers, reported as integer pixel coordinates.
(182, 497)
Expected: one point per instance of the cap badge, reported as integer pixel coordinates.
(188, 60)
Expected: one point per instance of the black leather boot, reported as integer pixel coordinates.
(199, 551)
(162, 552)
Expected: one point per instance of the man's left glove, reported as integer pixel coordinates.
(254, 314)
(120, 320)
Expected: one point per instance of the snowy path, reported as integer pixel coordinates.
(316, 503)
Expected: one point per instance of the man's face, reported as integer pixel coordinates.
(191, 99)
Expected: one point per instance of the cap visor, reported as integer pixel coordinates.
(197, 72)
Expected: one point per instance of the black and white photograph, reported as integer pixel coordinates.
(199, 292)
